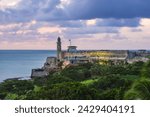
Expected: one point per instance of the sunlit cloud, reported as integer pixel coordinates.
(44, 30)
(145, 22)
(63, 3)
(8, 4)
(36, 24)
(91, 22)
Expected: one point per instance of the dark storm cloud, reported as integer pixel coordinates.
(116, 36)
(133, 22)
(47, 10)
(28, 10)
(90, 30)
(109, 22)
(89, 9)
(71, 24)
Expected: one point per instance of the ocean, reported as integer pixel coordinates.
(19, 63)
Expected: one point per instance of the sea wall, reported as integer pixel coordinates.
(49, 65)
(38, 73)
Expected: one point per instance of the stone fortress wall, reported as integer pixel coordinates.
(74, 56)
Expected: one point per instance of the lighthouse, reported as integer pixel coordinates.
(59, 53)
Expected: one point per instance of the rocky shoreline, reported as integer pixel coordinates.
(18, 78)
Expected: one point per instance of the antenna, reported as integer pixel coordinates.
(70, 41)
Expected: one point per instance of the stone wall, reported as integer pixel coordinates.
(50, 64)
(38, 73)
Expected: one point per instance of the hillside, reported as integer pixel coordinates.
(84, 82)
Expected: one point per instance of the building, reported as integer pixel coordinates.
(50, 65)
(72, 56)
(75, 56)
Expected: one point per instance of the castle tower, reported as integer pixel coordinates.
(59, 56)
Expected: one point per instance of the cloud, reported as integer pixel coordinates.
(91, 30)
(52, 10)
(132, 22)
(90, 9)
(91, 22)
(136, 30)
(116, 22)
(8, 4)
(71, 23)
(45, 30)
(27, 10)
(110, 22)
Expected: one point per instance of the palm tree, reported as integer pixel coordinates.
(140, 90)
(146, 70)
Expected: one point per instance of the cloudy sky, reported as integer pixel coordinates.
(90, 24)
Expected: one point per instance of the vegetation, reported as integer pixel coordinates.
(85, 81)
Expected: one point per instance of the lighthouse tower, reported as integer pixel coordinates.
(59, 53)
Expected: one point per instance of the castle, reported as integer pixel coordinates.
(72, 56)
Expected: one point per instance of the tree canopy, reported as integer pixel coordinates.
(91, 81)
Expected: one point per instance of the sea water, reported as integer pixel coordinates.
(19, 63)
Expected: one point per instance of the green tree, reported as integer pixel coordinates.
(76, 73)
(57, 78)
(112, 87)
(99, 70)
(67, 91)
(146, 70)
(140, 90)
(14, 88)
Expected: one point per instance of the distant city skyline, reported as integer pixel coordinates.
(90, 24)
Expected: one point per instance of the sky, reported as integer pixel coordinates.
(89, 24)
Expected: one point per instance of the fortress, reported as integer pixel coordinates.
(72, 56)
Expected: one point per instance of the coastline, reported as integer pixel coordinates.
(19, 63)
(17, 78)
